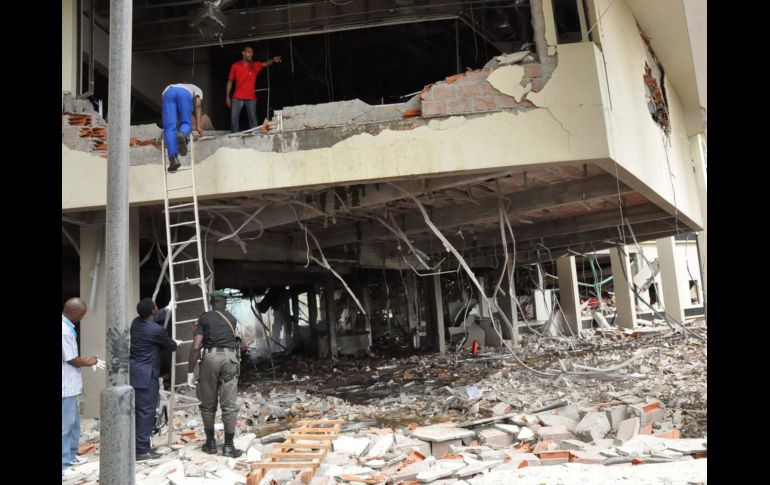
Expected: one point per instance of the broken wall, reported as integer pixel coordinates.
(639, 145)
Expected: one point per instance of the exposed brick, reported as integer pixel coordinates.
(470, 90)
(537, 84)
(477, 74)
(504, 102)
(483, 104)
(533, 70)
(459, 106)
(495, 437)
(434, 107)
(441, 91)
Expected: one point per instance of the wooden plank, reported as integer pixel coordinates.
(320, 421)
(312, 431)
(286, 446)
(292, 465)
(305, 437)
(293, 454)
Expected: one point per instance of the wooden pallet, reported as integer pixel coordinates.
(303, 449)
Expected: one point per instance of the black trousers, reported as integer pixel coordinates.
(146, 403)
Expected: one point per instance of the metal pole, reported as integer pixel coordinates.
(117, 453)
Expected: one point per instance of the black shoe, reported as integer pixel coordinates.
(173, 164)
(148, 456)
(231, 451)
(210, 446)
(229, 448)
(182, 140)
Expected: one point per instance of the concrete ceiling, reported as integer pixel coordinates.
(675, 46)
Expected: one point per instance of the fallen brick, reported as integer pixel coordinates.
(502, 408)
(674, 434)
(628, 429)
(594, 426)
(554, 433)
(495, 437)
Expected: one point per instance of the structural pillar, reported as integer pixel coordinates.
(438, 314)
(412, 309)
(367, 295)
(674, 291)
(507, 304)
(568, 293)
(331, 316)
(625, 305)
(484, 310)
(69, 46)
(312, 317)
(698, 154)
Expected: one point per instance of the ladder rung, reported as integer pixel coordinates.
(185, 261)
(186, 321)
(179, 188)
(188, 204)
(182, 223)
(188, 301)
(193, 280)
(181, 363)
(183, 169)
(185, 242)
(185, 342)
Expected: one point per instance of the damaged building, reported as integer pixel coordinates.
(427, 180)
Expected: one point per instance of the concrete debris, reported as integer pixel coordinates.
(433, 432)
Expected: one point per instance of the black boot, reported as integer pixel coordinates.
(229, 448)
(211, 443)
(173, 164)
(182, 141)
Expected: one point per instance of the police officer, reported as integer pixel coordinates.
(147, 339)
(215, 333)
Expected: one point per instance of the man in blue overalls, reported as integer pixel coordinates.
(178, 102)
(147, 339)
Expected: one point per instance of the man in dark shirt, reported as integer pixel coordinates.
(215, 333)
(147, 339)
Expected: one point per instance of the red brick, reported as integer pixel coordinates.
(459, 106)
(470, 89)
(533, 70)
(440, 91)
(485, 103)
(505, 102)
(433, 107)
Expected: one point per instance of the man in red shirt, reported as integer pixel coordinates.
(244, 73)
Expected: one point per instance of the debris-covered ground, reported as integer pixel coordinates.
(597, 407)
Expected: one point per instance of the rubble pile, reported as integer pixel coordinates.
(471, 420)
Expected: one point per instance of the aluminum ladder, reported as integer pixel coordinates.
(184, 180)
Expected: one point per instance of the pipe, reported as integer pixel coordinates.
(117, 436)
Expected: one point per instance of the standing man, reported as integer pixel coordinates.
(71, 382)
(178, 102)
(147, 339)
(244, 73)
(215, 332)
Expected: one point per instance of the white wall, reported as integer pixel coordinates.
(69, 40)
(643, 153)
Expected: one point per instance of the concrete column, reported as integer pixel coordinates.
(312, 316)
(331, 316)
(624, 293)
(411, 309)
(69, 46)
(438, 314)
(295, 317)
(367, 293)
(673, 289)
(568, 293)
(508, 304)
(484, 310)
(698, 154)
(93, 329)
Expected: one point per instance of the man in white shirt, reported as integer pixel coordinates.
(71, 382)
